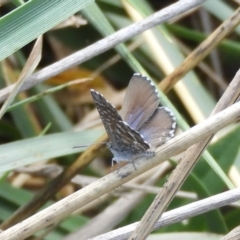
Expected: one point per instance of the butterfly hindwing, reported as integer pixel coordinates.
(160, 127)
(140, 102)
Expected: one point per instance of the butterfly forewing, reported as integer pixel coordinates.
(108, 114)
(160, 127)
(140, 102)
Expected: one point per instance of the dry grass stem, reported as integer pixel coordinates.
(201, 51)
(64, 207)
(179, 214)
(233, 235)
(115, 213)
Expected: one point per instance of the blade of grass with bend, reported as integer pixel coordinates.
(30, 66)
(31, 20)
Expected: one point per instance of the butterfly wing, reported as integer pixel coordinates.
(160, 127)
(140, 102)
(125, 142)
(108, 114)
(130, 143)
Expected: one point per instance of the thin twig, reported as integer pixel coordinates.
(104, 44)
(179, 214)
(116, 212)
(64, 207)
(30, 66)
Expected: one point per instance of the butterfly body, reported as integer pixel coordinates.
(124, 150)
(136, 131)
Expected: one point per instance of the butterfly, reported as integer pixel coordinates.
(141, 125)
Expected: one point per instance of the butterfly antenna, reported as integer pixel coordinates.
(97, 143)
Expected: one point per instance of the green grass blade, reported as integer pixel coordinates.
(32, 19)
(21, 153)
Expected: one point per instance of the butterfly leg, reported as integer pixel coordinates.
(134, 165)
(114, 160)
